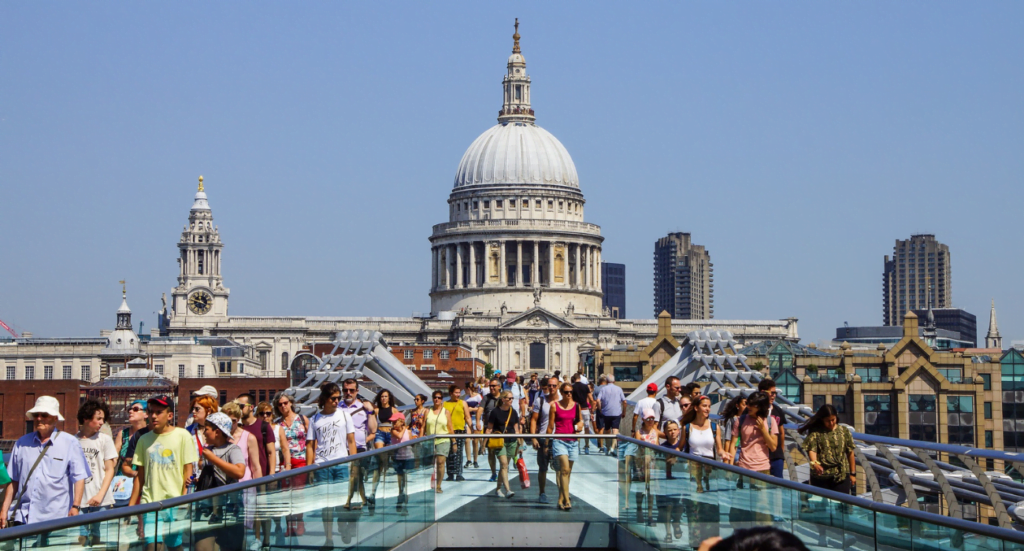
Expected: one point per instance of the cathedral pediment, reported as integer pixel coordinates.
(537, 318)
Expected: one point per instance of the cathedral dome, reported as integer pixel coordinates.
(516, 153)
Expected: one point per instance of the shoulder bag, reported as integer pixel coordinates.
(497, 443)
(21, 494)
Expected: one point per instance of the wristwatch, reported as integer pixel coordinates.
(76, 507)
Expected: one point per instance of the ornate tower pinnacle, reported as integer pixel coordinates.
(515, 38)
(516, 85)
(993, 339)
(200, 182)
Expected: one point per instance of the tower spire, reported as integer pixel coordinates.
(200, 182)
(515, 39)
(993, 339)
(516, 85)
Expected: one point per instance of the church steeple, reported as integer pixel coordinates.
(516, 85)
(993, 339)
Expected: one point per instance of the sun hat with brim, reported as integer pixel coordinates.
(649, 414)
(206, 390)
(48, 405)
(221, 421)
(396, 416)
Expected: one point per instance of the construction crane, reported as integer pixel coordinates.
(8, 328)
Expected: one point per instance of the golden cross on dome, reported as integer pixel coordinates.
(200, 183)
(124, 288)
(515, 37)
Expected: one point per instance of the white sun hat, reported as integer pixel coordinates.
(206, 390)
(46, 404)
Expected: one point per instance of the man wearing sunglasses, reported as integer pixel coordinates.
(365, 424)
(491, 401)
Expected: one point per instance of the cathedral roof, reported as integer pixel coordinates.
(516, 153)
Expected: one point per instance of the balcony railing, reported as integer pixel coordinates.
(520, 224)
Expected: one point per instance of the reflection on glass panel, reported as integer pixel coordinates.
(960, 413)
(877, 414)
(923, 417)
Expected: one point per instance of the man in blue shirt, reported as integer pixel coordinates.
(55, 489)
(613, 405)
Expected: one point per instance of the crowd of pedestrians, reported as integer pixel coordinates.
(151, 460)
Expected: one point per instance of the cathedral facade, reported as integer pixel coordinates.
(515, 271)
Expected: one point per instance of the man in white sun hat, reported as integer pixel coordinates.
(47, 468)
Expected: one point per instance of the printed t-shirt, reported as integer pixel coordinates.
(753, 448)
(257, 429)
(98, 449)
(164, 456)
(611, 397)
(331, 434)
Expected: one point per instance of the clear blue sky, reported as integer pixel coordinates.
(795, 140)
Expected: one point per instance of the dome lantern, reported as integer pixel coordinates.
(516, 85)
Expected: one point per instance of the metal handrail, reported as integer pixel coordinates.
(931, 518)
(126, 512)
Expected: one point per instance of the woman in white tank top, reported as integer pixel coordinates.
(699, 437)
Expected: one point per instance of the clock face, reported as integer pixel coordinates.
(200, 302)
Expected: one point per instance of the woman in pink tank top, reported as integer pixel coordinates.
(565, 419)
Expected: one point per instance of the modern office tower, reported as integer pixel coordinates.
(613, 284)
(917, 276)
(953, 319)
(683, 279)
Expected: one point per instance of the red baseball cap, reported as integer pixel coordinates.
(653, 387)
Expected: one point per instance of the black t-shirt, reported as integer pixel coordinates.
(129, 452)
(580, 390)
(498, 419)
(780, 449)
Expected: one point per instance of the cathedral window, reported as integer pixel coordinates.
(476, 205)
(551, 205)
(560, 206)
(497, 203)
(487, 204)
(199, 257)
(537, 204)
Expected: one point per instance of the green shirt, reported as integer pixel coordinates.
(833, 449)
(4, 477)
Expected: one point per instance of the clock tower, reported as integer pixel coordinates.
(200, 301)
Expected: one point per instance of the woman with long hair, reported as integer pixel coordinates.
(417, 415)
(503, 420)
(437, 421)
(384, 408)
(758, 434)
(730, 433)
(830, 448)
(565, 418)
(700, 437)
(294, 428)
(475, 425)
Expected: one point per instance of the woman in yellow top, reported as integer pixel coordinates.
(458, 410)
(438, 421)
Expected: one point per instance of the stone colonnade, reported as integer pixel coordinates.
(476, 264)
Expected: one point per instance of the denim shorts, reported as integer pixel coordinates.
(87, 530)
(564, 447)
(383, 436)
(327, 475)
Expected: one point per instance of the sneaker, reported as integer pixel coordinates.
(371, 500)
(256, 545)
(510, 494)
(586, 450)
(499, 493)
(543, 498)
(476, 465)
(460, 478)
(602, 450)
(494, 478)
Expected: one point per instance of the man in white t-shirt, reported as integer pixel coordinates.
(539, 425)
(331, 436)
(649, 402)
(100, 456)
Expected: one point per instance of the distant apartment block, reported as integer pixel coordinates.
(683, 278)
(613, 284)
(917, 276)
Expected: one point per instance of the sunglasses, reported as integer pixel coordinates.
(335, 398)
(438, 397)
(351, 390)
(136, 409)
(267, 413)
(196, 408)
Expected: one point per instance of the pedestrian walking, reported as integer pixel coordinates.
(417, 415)
(47, 471)
(332, 435)
(758, 434)
(401, 434)
(830, 449)
(565, 418)
(581, 394)
(475, 425)
(124, 474)
(777, 457)
(491, 402)
(384, 409)
(101, 457)
(730, 433)
(613, 407)
(163, 458)
(458, 409)
(223, 463)
(439, 422)
(700, 437)
(503, 420)
(540, 418)
(293, 428)
(365, 423)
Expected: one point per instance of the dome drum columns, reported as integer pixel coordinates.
(518, 263)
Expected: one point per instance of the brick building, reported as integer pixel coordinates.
(17, 397)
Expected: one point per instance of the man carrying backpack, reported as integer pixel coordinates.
(671, 404)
